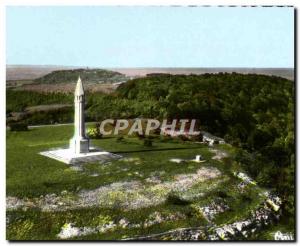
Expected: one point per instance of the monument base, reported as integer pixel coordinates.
(69, 157)
(80, 145)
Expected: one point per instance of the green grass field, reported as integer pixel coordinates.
(31, 176)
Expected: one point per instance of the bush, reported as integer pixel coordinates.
(183, 138)
(152, 137)
(156, 131)
(94, 133)
(222, 194)
(17, 127)
(147, 142)
(139, 136)
(120, 138)
(165, 138)
(198, 138)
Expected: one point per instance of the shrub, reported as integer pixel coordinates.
(139, 136)
(222, 194)
(120, 138)
(165, 138)
(147, 142)
(246, 198)
(183, 138)
(18, 127)
(156, 131)
(94, 133)
(198, 138)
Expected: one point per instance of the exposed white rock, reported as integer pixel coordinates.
(107, 227)
(221, 233)
(177, 160)
(219, 154)
(245, 178)
(213, 209)
(273, 205)
(157, 218)
(94, 175)
(68, 230)
(64, 192)
(229, 229)
(126, 195)
(123, 223)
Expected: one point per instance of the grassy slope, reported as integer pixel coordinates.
(32, 175)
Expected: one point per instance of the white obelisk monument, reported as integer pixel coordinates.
(79, 143)
(79, 150)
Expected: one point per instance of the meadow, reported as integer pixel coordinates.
(142, 194)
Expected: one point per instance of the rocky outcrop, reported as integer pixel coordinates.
(243, 229)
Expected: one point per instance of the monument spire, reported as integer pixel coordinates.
(79, 143)
(79, 150)
(79, 88)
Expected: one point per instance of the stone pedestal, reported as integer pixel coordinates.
(79, 145)
(67, 156)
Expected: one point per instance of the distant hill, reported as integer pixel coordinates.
(287, 73)
(61, 78)
(97, 76)
(30, 72)
(37, 73)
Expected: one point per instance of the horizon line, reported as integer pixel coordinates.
(117, 67)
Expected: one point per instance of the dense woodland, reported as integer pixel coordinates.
(253, 112)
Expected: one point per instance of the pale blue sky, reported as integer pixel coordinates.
(150, 36)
